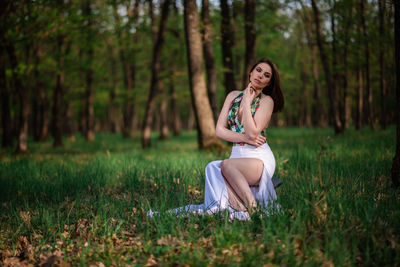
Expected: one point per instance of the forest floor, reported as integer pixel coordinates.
(86, 203)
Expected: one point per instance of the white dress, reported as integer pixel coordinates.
(216, 194)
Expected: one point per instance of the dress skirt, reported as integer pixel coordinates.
(216, 194)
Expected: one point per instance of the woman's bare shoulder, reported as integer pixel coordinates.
(232, 95)
(266, 99)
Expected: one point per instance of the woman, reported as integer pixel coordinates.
(239, 182)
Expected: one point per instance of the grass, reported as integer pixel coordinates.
(86, 203)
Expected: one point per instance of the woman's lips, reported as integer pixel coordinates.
(257, 80)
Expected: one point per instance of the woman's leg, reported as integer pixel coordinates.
(240, 173)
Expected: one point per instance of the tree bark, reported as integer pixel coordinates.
(204, 118)
(111, 106)
(317, 109)
(190, 120)
(155, 70)
(329, 83)
(305, 119)
(370, 111)
(250, 33)
(226, 44)
(129, 76)
(164, 130)
(58, 94)
(209, 58)
(345, 98)
(40, 103)
(360, 79)
(396, 160)
(7, 138)
(89, 93)
(382, 81)
(176, 120)
(23, 97)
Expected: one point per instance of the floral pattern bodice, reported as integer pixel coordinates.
(233, 115)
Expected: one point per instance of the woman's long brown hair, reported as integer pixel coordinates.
(273, 88)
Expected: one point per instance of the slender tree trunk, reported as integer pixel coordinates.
(370, 111)
(7, 139)
(329, 83)
(382, 81)
(360, 99)
(40, 105)
(226, 44)
(153, 24)
(360, 79)
(177, 125)
(129, 75)
(209, 59)
(345, 98)
(396, 160)
(156, 68)
(135, 124)
(305, 111)
(164, 130)
(335, 71)
(250, 33)
(202, 109)
(89, 93)
(58, 95)
(318, 112)
(111, 107)
(190, 120)
(23, 97)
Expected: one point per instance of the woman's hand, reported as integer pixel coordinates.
(259, 140)
(249, 94)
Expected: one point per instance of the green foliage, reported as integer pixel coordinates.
(86, 203)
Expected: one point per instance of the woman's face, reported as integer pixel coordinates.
(261, 75)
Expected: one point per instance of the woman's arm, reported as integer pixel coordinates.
(254, 125)
(224, 133)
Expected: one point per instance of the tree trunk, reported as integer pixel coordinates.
(382, 81)
(40, 105)
(202, 109)
(23, 96)
(129, 75)
(226, 44)
(360, 99)
(396, 160)
(153, 23)
(177, 125)
(329, 83)
(318, 111)
(164, 131)
(345, 98)
(370, 111)
(360, 80)
(250, 32)
(305, 119)
(112, 94)
(58, 95)
(209, 59)
(7, 138)
(89, 94)
(155, 70)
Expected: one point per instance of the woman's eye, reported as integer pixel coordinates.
(266, 75)
(259, 70)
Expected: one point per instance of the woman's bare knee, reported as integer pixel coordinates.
(226, 165)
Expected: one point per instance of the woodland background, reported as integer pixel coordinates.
(121, 66)
(105, 104)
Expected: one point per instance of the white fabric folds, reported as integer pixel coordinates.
(216, 194)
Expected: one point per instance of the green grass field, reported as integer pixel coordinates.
(86, 203)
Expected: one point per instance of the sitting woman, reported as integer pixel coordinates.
(238, 183)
